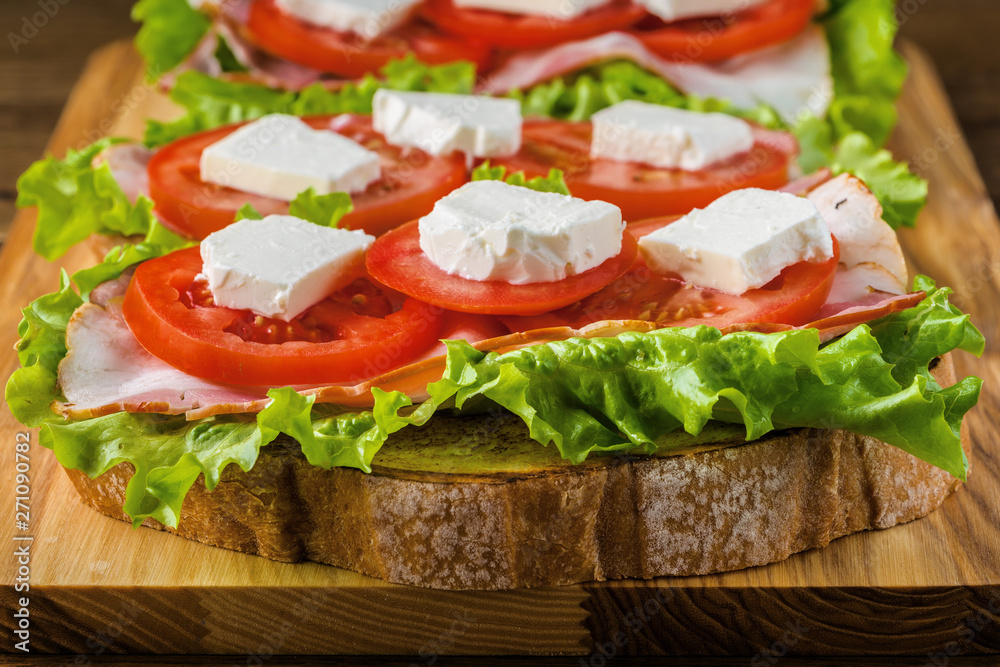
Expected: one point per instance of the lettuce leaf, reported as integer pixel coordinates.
(327, 440)
(584, 396)
(902, 193)
(247, 212)
(168, 454)
(868, 74)
(171, 30)
(158, 242)
(623, 393)
(323, 210)
(42, 345)
(76, 199)
(553, 182)
(210, 102)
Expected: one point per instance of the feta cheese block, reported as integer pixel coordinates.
(280, 156)
(669, 138)
(675, 10)
(560, 9)
(489, 230)
(439, 123)
(367, 18)
(741, 241)
(280, 266)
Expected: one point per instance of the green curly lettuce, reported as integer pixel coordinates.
(623, 393)
(553, 182)
(868, 74)
(171, 29)
(76, 199)
(323, 210)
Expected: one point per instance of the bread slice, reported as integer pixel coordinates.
(472, 502)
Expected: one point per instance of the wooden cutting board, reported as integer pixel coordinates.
(926, 588)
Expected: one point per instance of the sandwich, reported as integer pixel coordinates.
(638, 363)
(661, 326)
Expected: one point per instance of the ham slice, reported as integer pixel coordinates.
(128, 163)
(854, 216)
(836, 319)
(794, 78)
(106, 370)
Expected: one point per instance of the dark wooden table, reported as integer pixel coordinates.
(961, 36)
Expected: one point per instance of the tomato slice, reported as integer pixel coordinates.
(351, 335)
(519, 31)
(348, 54)
(642, 191)
(794, 297)
(411, 182)
(396, 260)
(713, 39)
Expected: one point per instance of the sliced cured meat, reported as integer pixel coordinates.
(854, 216)
(128, 163)
(106, 370)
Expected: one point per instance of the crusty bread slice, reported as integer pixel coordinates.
(472, 503)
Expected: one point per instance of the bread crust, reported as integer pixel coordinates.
(616, 517)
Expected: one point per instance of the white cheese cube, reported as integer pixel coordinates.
(667, 138)
(281, 265)
(367, 18)
(559, 9)
(280, 156)
(741, 241)
(439, 123)
(488, 230)
(675, 10)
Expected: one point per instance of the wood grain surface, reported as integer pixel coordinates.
(926, 588)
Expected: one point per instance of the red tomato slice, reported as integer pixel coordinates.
(712, 39)
(411, 182)
(519, 31)
(396, 260)
(349, 336)
(794, 297)
(351, 55)
(639, 190)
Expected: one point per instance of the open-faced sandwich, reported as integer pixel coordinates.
(361, 320)
(675, 396)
